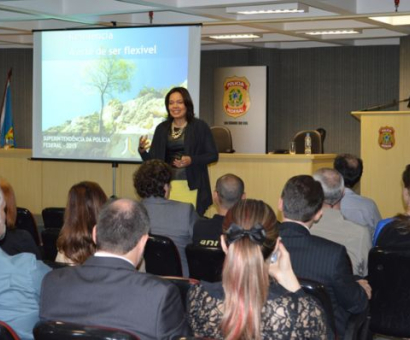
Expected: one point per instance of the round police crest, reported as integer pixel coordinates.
(236, 101)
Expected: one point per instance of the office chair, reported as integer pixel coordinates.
(49, 237)
(389, 277)
(205, 263)
(357, 324)
(53, 217)
(25, 221)
(7, 333)
(183, 284)
(318, 291)
(162, 257)
(223, 139)
(299, 140)
(56, 330)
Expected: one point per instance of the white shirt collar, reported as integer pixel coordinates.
(297, 222)
(106, 254)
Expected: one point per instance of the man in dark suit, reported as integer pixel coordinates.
(107, 290)
(316, 258)
(229, 189)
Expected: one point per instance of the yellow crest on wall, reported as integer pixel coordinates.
(386, 137)
(236, 101)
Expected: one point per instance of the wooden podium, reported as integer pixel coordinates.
(385, 150)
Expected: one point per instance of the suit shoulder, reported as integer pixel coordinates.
(181, 205)
(163, 125)
(325, 243)
(155, 284)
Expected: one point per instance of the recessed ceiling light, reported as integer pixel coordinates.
(272, 11)
(328, 32)
(395, 20)
(269, 9)
(234, 36)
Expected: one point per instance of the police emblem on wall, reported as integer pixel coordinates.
(386, 137)
(236, 101)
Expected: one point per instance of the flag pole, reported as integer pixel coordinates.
(5, 90)
(6, 122)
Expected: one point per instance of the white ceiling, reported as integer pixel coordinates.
(19, 18)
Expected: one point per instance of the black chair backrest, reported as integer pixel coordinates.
(183, 284)
(318, 291)
(49, 237)
(162, 257)
(223, 139)
(299, 140)
(53, 217)
(389, 277)
(56, 330)
(357, 327)
(7, 333)
(205, 263)
(25, 221)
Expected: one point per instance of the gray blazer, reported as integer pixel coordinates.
(172, 219)
(110, 292)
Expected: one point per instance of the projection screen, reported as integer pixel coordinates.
(96, 91)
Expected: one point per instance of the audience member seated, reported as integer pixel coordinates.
(16, 241)
(259, 296)
(167, 217)
(316, 258)
(395, 231)
(75, 243)
(358, 209)
(332, 226)
(20, 281)
(107, 290)
(229, 189)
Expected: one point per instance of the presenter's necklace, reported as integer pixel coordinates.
(177, 131)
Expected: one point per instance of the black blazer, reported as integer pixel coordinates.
(200, 146)
(110, 292)
(327, 262)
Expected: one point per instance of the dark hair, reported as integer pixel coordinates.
(149, 179)
(351, 168)
(120, 226)
(302, 198)
(406, 177)
(84, 202)
(230, 189)
(187, 101)
(245, 277)
(401, 221)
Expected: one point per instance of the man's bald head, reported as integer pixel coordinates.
(121, 225)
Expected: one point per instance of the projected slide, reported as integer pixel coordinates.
(102, 89)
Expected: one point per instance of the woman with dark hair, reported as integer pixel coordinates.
(152, 182)
(15, 241)
(259, 296)
(185, 143)
(395, 231)
(75, 243)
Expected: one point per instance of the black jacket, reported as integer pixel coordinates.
(327, 262)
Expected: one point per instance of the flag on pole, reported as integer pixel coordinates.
(6, 118)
